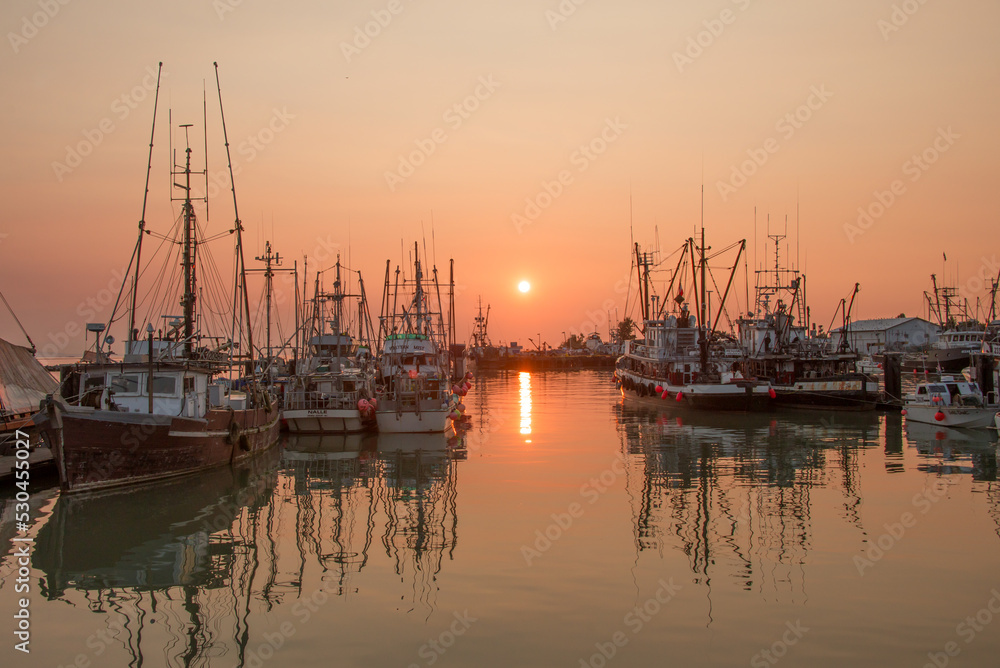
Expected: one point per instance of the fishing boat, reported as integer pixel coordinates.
(950, 402)
(962, 336)
(414, 389)
(682, 358)
(182, 399)
(333, 387)
(780, 345)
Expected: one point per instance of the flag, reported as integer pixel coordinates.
(680, 296)
(945, 256)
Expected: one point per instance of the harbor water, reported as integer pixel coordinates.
(568, 526)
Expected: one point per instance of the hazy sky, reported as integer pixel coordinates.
(468, 112)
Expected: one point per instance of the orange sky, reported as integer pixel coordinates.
(334, 113)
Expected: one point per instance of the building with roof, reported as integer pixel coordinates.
(872, 337)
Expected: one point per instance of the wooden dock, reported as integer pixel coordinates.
(41, 465)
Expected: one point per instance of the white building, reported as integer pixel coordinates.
(871, 337)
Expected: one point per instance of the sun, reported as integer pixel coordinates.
(524, 286)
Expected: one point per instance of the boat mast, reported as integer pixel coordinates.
(239, 236)
(419, 295)
(142, 218)
(702, 306)
(188, 253)
(338, 307)
(269, 259)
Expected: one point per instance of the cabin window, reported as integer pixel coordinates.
(921, 390)
(188, 384)
(348, 386)
(125, 384)
(165, 385)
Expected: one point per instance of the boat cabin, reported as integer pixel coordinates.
(949, 392)
(176, 391)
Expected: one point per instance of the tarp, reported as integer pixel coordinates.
(23, 381)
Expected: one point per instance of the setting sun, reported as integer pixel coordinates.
(524, 286)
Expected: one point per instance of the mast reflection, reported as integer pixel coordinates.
(733, 492)
(184, 567)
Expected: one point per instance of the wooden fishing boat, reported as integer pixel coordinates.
(180, 400)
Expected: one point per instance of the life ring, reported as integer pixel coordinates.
(234, 433)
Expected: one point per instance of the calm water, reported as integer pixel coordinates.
(567, 528)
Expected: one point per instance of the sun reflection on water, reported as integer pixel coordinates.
(525, 379)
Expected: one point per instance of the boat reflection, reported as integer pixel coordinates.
(419, 499)
(184, 562)
(733, 492)
(186, 547)
(946, 450)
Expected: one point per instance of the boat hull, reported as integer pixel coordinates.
(948, 361)
(828, 394)
(954, 416)
(740, 396)
(408, 422)
(325, 421)
(97, 449)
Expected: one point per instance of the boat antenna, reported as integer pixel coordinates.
(239, 228)
(204, 121)
(703, 308)
(145, 199)
(798, 230)
(433, 241)
(631, 233)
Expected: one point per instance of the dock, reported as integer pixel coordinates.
(539, 362)
(41, 465)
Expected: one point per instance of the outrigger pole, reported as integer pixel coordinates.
(142, 218)
(239, 233)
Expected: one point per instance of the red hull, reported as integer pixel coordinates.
(99, 449)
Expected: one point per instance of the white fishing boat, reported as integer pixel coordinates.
(333, 388)
(414, 390)
(950, 403)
